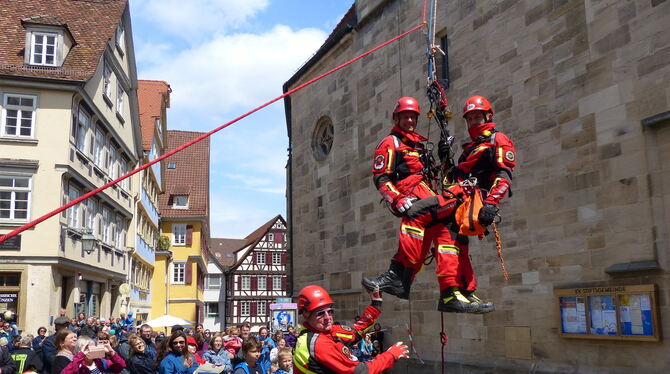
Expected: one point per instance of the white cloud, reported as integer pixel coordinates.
(234, 218)
(194, 18)
(238, 70)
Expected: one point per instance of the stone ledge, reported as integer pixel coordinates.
(627, 267)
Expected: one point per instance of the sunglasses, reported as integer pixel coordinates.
(322, 313)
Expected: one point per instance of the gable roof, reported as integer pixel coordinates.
(227, 246)
(150, 96)
(92, 23)
(191, 174)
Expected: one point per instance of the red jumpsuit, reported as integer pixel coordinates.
(490, 157)
(397, 173)
(321, 352)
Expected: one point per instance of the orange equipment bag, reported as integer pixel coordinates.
(467, 214)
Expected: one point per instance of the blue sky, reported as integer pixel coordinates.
(223, 58)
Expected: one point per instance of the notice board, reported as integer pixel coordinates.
(612, 312)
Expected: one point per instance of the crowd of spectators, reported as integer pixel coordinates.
(117, 345)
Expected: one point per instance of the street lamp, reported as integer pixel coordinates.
(88, 241)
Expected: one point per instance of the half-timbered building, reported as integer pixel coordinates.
(258, 275)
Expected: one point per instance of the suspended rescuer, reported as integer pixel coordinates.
(400, 172)
(323, 347)
(490, 158)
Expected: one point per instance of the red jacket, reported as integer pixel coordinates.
(78, 364)
(491, 158)
(320, 352)
(397, 166)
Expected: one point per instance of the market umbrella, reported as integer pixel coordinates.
(168, 321)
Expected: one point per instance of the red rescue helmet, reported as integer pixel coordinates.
(312, 297)
(477, 103)
(406, 103)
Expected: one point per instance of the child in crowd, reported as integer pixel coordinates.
(251, 348)
(285, 361)
(231, 342)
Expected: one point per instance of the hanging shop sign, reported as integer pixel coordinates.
(616, 312)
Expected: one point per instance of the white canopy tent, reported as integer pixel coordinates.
(169, 321)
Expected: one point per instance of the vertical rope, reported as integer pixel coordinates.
(444, 339)
(500, 254)
(397, 23)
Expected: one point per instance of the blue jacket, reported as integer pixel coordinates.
(218, 358)
(248, 370)
(264, 359)
(173, 364)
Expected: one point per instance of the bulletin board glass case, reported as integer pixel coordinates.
(612, 312)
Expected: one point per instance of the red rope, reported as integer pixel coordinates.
(444, 339)
(425, 4)
(201, 137)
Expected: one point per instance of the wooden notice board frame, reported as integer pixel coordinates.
(628, 313)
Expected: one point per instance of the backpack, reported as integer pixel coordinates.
(467, 214)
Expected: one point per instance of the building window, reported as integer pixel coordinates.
(18, 115)
(99, 151)
(180, 202)
(178, 272)
(212, 310)
(43, 48)
(106, 225)
(260, 258)
(213, 282)
(276, 282)
(14, 197)
(172, 165)
(262, 283)
(83, 123)
(246, 282)
(120, 39)
(322, 138)
(119, 237)
(179, 234)
(107, 83)
(276, 258)
(73, 212)
(90, 214)
(113, 162)
(271, 237)
(442, 64)
(261, 308)
(245, 308)
(120, 93)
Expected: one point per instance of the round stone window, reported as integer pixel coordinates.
(322, 139)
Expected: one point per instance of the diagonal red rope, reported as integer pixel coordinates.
(201, 137)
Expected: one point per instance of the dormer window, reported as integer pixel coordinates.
(43, 49)
(48, 40)
(180, 202)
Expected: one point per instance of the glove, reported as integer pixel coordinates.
(443, 150)
(376, 297)
(399, 350)
(487, 214)
(403, 203)
(423, 206)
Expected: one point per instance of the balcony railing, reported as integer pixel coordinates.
(149, 207)
(144, 250)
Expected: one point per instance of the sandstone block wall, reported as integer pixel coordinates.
(571, 82)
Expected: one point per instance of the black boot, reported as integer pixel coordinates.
(453, 301)
(395, 281)
(484, 306)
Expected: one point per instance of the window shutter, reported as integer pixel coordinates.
(253, 310)
(189, 234)
(268, 282)
(254, 258)
(238, 280)
(254, 283)
(278, 237)
(283, 258)
(283, 283)
(188, 272)
(238, 308)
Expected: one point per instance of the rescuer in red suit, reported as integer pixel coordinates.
(323, 347)
(399, 173)
(490, 157)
